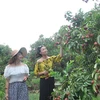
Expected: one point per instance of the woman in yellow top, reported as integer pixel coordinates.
(41, 69)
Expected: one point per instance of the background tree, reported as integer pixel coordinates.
(5, 51)
(80, 79)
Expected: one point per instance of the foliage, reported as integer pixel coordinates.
(34, 96)
(4, 57)
(86, 1)
(33, 82)
(96, 77)
(2, 87)
(82, 45)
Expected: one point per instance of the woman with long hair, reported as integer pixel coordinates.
(42, 66)
(16, 74)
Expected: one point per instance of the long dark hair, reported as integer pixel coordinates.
(38, 51)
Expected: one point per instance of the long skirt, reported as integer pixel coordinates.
(18, 91)
(46, 88)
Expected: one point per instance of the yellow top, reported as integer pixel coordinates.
(46, 64)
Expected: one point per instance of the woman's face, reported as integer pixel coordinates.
(43, 51)
(19, 56)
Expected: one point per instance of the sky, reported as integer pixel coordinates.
(23, 21)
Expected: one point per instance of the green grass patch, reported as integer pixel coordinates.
(34, 96)
(96, 98)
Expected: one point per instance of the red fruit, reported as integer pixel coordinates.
(69, 27)
(97, 71)
(95, 43)
(92, 81)
(68, 93)
(82, 45)
(66, 98)
(82, 37)
(57, 43)
(85, 28)
(75, 19)
(98, 77)
(91, 35)
(59, 97)
(87, 36)
(66, 34)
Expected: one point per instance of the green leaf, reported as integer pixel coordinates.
(93, 73)
(94, 85)
(98, 39)
(57, 83)
(96, 76)
(95, 66)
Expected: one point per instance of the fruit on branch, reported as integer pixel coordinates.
(95, 43)
(68, 93)
(67, 34)
(69, 27)
(57, 43)
(83, 37)
(87, 36)
(91, 35)
(85, 28)
(92, 82)
(66, 99)
(74, 19)
(98, 77)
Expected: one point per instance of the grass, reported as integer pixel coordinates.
(34, 96)
(97, 98)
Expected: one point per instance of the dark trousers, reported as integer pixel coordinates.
(46, 88)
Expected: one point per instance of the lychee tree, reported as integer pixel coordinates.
(80, 79)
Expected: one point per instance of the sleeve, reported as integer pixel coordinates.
(27, 69)
(56, 58)
(6, 72)
(36, 69)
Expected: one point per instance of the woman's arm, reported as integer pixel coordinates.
(6, 88)
(43, 73)
(61, 51)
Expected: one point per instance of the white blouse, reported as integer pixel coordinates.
(16, 73)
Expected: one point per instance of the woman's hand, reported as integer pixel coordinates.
(45, 72)
(25, 78)
(6, 96)
(6, 89)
